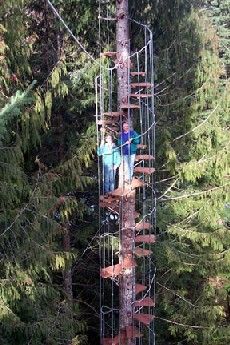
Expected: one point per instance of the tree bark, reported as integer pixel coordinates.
(127, 218)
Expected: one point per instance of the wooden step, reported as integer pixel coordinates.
(114, 113)
(136, 85)
(129, 263)
(140, 252)
(136, 183)
(135, 74)
(132, 332)
(144, 302)
(136, 214)
(108, 341)
(144, 157)
(118, 339)
(112, 128)
(109, 54)
(145, 238)
(143, 226)
(130, 106)
(111, 271)
(140, 95)
(110, 207)
(106, 122)
(139, 288)
(146, 319)
(144, 170)
(120, 192)
(108, 198)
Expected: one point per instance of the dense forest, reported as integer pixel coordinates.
(49, 259)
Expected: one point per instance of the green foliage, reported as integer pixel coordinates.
(47, 142)
(192, 146)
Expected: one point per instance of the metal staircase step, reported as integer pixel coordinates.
(139, 288)
(144, 302)
(135, 74)
(111, 271)
(130, 106)
(136, 85)
(132, 332)
(114, 113)
(140, 252)
(146, 319)
(143, 226)
(145, 238)
(129, 263)
(140, 95)
(144, 170)
(144, 157)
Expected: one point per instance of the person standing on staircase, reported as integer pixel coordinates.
(111, 160)
(128, 140)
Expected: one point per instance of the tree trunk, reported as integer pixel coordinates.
(67, 274)
(127, 219)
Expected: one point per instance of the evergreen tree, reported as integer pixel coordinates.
(192, 147)
(47, 143)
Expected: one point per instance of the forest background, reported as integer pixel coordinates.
(49, 263)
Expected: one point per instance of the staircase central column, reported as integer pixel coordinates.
(127, 209)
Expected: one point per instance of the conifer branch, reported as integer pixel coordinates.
(166, 179)
(176, 294)
(168, 189)
(200, 124)
(193, 194)
(13, 109)
(180, 324)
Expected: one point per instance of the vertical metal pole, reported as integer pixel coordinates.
(127, 217)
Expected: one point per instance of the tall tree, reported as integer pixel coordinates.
(47, 142)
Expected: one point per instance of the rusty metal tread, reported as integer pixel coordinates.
(107, 122)
(134, 74)
(114, 113)
(135, 85)
(146, 238)
(139, 288)
(143, 226)
(144, 302)
(130, 106)
(111, 271)
(136, 183)
(140, 95)
(140, 252)
(132, 332)
(144, 170)
(144, 157)
(146, 319)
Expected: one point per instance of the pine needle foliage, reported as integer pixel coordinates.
(193, 145)
(45, 150)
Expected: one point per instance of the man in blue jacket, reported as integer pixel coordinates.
(111, 159)
(128, 140)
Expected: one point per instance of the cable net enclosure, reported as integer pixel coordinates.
(135, 192)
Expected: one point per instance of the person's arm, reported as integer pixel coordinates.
(119, 141)
(117, 158)
(100, 149)
(136, 138)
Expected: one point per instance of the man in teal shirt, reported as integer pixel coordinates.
(128, 140)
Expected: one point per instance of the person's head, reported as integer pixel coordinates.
(108, 139)
(125, 126)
